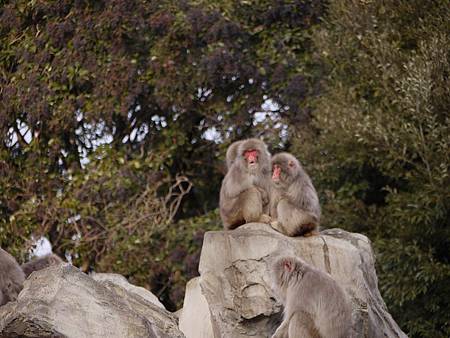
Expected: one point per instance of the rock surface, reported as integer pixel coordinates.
(236, 284)
(61, 301)
(114, 280)
(195, 319)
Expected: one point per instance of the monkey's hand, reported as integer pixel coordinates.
(265, 219)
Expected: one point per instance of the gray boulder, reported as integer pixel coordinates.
(61, 301)
(235, 281)
(118, 282)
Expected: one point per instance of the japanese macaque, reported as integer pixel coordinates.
(11, 278)
(40, 263)
(294, 205)
(315, 306)
(232, 153)
(244, 195)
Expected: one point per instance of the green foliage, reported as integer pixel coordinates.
(383, 139)
(132, 86)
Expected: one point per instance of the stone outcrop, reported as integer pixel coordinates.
(235, 281)
(118, 282)
(232, 298)
(61, 301)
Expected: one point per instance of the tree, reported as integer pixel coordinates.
(380, 148)
(105, 103)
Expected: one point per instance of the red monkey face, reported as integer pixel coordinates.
(276, 172)
(251, 156)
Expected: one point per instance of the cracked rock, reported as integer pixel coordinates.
(235, 280)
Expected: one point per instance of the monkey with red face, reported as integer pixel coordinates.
(244, 195)
(294, 205)
(315, 306)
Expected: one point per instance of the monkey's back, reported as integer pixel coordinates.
(327, 303)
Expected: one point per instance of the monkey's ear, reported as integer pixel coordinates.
(291, 164)
(288, 265)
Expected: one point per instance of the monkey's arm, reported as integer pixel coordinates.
(234, 184)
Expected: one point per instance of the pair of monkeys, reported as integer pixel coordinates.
(12, 275)
(276, 190)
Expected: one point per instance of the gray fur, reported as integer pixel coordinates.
(11, 278)
(315, 306)
(40, 263)
(244, 195)
(293, 199)
(232, 153)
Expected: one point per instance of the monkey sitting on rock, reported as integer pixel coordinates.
(12, 275)
(315, 306)
(11, 278)
(40, 263)
(294, 205)
(244, 195)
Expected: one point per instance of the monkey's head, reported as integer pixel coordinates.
(285, 169)
(285, 271)
(253, 156)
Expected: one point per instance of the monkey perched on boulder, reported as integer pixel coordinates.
(39, 263)
(315, 306)
(294, 205)
(12, 275)
(11, 278)
(244, 195)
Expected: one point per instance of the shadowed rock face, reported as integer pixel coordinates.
(235, 280)
(61, 301)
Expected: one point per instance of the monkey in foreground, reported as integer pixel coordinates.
(244, 195)
(315, 306)
(232, 153)
(11, 278)
(40, 263)
(294, 204)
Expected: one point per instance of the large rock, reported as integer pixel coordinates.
(61, 301)
(234, 270)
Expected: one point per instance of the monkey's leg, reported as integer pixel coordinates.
(301, 325)
(251, 202)
(283, 330)
(295, 221)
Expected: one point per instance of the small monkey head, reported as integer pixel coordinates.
(285, 272)
(253, 155)
(285, 169)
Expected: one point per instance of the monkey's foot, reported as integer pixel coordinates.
(265, 219)
(312, 233)
(277, 226)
